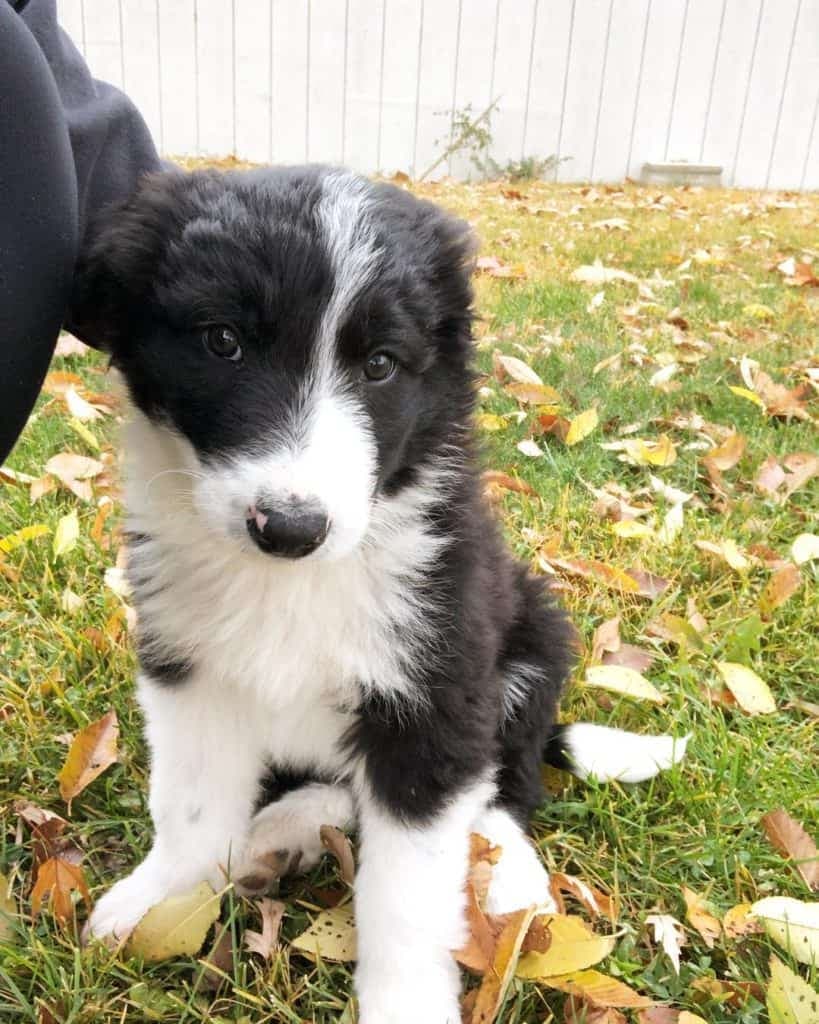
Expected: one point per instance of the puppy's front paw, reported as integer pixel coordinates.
(124, 905)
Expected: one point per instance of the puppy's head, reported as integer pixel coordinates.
(304, 335)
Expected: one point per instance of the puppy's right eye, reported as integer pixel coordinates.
(222, 341)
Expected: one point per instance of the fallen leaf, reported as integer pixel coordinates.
(805, 548)
(495, 479)
(266, 941)
(598, 989)
(595, 901)
(66, 535)
(495, 268)
(577, 1010)
(516, 369)
(737, 922)
(59, 381)
(533, 394)
(782, 585)
(793, 924)
(610, 575)
(790, 838)
(728, 551)
(581, 426)
(68, 345)
(597, 274)
(219, 961)
(726, 455)
(612, 224)
(629, 656)
(490, 422)
(338, 844)
(8, 911)
(40, 487)
(23, 536)
(94, 748)
(642, 452)
(686, 1017)
(175, 927)
(15, 477)
(632, 529)
(47, 830)
(574, 947)
(622, 680)
(770, 476)
(498, 977)
(606, 639)
(670, 934)
(701, 918)
(74, 472)
(801, 467)
(808, 707)
(71, 602)
(529, 448)
(117, 580)
(749, 396)
(751, 693)
(79, 408)
(790, 999)
(57, 880)
(331, 936)
(658, 1015)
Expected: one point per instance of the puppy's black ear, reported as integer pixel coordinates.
(120, 255)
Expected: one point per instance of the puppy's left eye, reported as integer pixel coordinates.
(379, 366)
(222, 341)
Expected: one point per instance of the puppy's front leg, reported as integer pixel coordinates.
(206, 760)
(409, 904)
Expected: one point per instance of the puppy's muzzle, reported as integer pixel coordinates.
(292, 530)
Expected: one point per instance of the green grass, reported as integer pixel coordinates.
(698, 825)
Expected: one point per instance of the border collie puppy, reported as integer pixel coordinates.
(330, 628)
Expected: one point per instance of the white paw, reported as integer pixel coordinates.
(281, 842)
(124, 905)
(426, 995)
(519, 881)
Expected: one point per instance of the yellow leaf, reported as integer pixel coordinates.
(791, 923)
(728, 551)
(640, 452)
(8, 911)
(630, 529)
(175, 927)
(687, 1017)
(581, 426)
(15, 540)
(498, 977)
(534, 394)
(489, 421)
(92, 750)
(574, 947)
(805, 548)
(782, 585)
(737, 922)
(790, 999)
(758, 311)
(623, 680)
(66, 535)
(750, 396)
(331, 936)
(726, 455)
(751, 693)
(598, 988)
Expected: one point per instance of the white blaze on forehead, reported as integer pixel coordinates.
(344, 219)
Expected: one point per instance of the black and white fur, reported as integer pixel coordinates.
(403, 674)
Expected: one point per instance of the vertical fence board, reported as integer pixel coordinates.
(586, 66)
(140, 56)
(215, 76)
(252, 79)
(730, 82)
(403, 23)
(800, 96)
(696, 64)
(474, 78)
(438, 45)
(549, 65)
(619, 89)
(326, 95)
(103, 40)
(516, 23)
(290, 81)
(177, 72)
(364, 83)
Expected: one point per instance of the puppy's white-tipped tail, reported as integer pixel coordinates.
(608, 754)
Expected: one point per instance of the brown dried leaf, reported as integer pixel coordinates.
(219, 961)
(606, 639)
(658, 1015)
(737, 922)
(59, 381)
(515, 369)
(75, 471)
(727, 455)
(533, 394)
(338, 844)
(790, 838)
(93, 750)
(58, 879)
(701, 918)
(782, 585)
(578, 1011)
(266, 941)
(495, 479)
(629, 656)
(770, 476)
(595, 901)
(598, 989)
(498, 977)
(493, 267)
(728, 551)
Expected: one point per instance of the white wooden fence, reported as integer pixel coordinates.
(604, 85)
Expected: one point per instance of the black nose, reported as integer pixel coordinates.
(292, 530)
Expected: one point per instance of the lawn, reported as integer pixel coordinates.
(705, 342)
